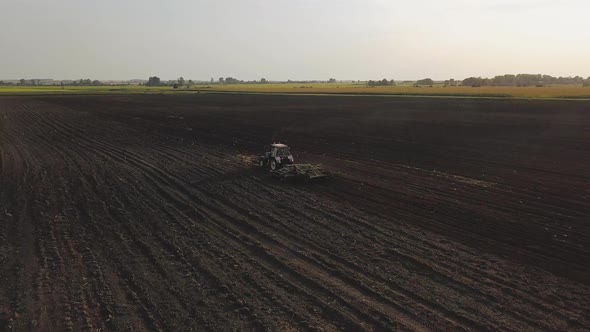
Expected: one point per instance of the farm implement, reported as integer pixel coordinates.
(300, 172)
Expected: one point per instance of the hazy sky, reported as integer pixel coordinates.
(292, 39)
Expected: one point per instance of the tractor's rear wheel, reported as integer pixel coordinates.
(273, 164)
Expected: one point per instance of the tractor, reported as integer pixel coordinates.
(276, 156)
(280, 161)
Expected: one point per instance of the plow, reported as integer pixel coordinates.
(300, 172)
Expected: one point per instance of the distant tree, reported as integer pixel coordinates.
(221, 80)
(190, 82)
(586, 82)
(451, 82)
(548, 79)
(83, 82)
(426, 81)
(231, 80)
(263, 81)
(96, 82)
(175, 86)
(22, 81)
(153, 81)
(473, 82)
(504, 80)
(383, 82)
(332, 80)
(527, 79)
(181, 80)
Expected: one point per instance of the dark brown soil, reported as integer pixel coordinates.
(146, 213)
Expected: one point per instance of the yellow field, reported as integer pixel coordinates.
(568, 91)
(518, 92)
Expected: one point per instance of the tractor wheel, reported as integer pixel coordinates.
(273, 164)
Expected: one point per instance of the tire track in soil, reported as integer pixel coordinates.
(144, 246)
(219, 199)
(176, 208)
(344, 270)
(163, 191)
(149, 315)
(323, 253)
(128, 161)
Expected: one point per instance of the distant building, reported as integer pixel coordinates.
(137, 82)
(45, 81)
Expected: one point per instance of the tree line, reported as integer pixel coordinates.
(86, 82)
(35, 82)
(156, 81)
(383, 82)
(524, 80)
(519, 80)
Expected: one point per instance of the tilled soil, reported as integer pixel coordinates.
(147, 213)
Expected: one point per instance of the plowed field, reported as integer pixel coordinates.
(146, 213)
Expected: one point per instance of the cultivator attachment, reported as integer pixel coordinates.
(302, 172)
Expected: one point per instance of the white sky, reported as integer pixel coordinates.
(292, 39)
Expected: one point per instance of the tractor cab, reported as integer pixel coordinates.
(279, 150)
(276, 155)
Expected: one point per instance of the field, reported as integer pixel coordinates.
(145, 212)
(548, 92)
